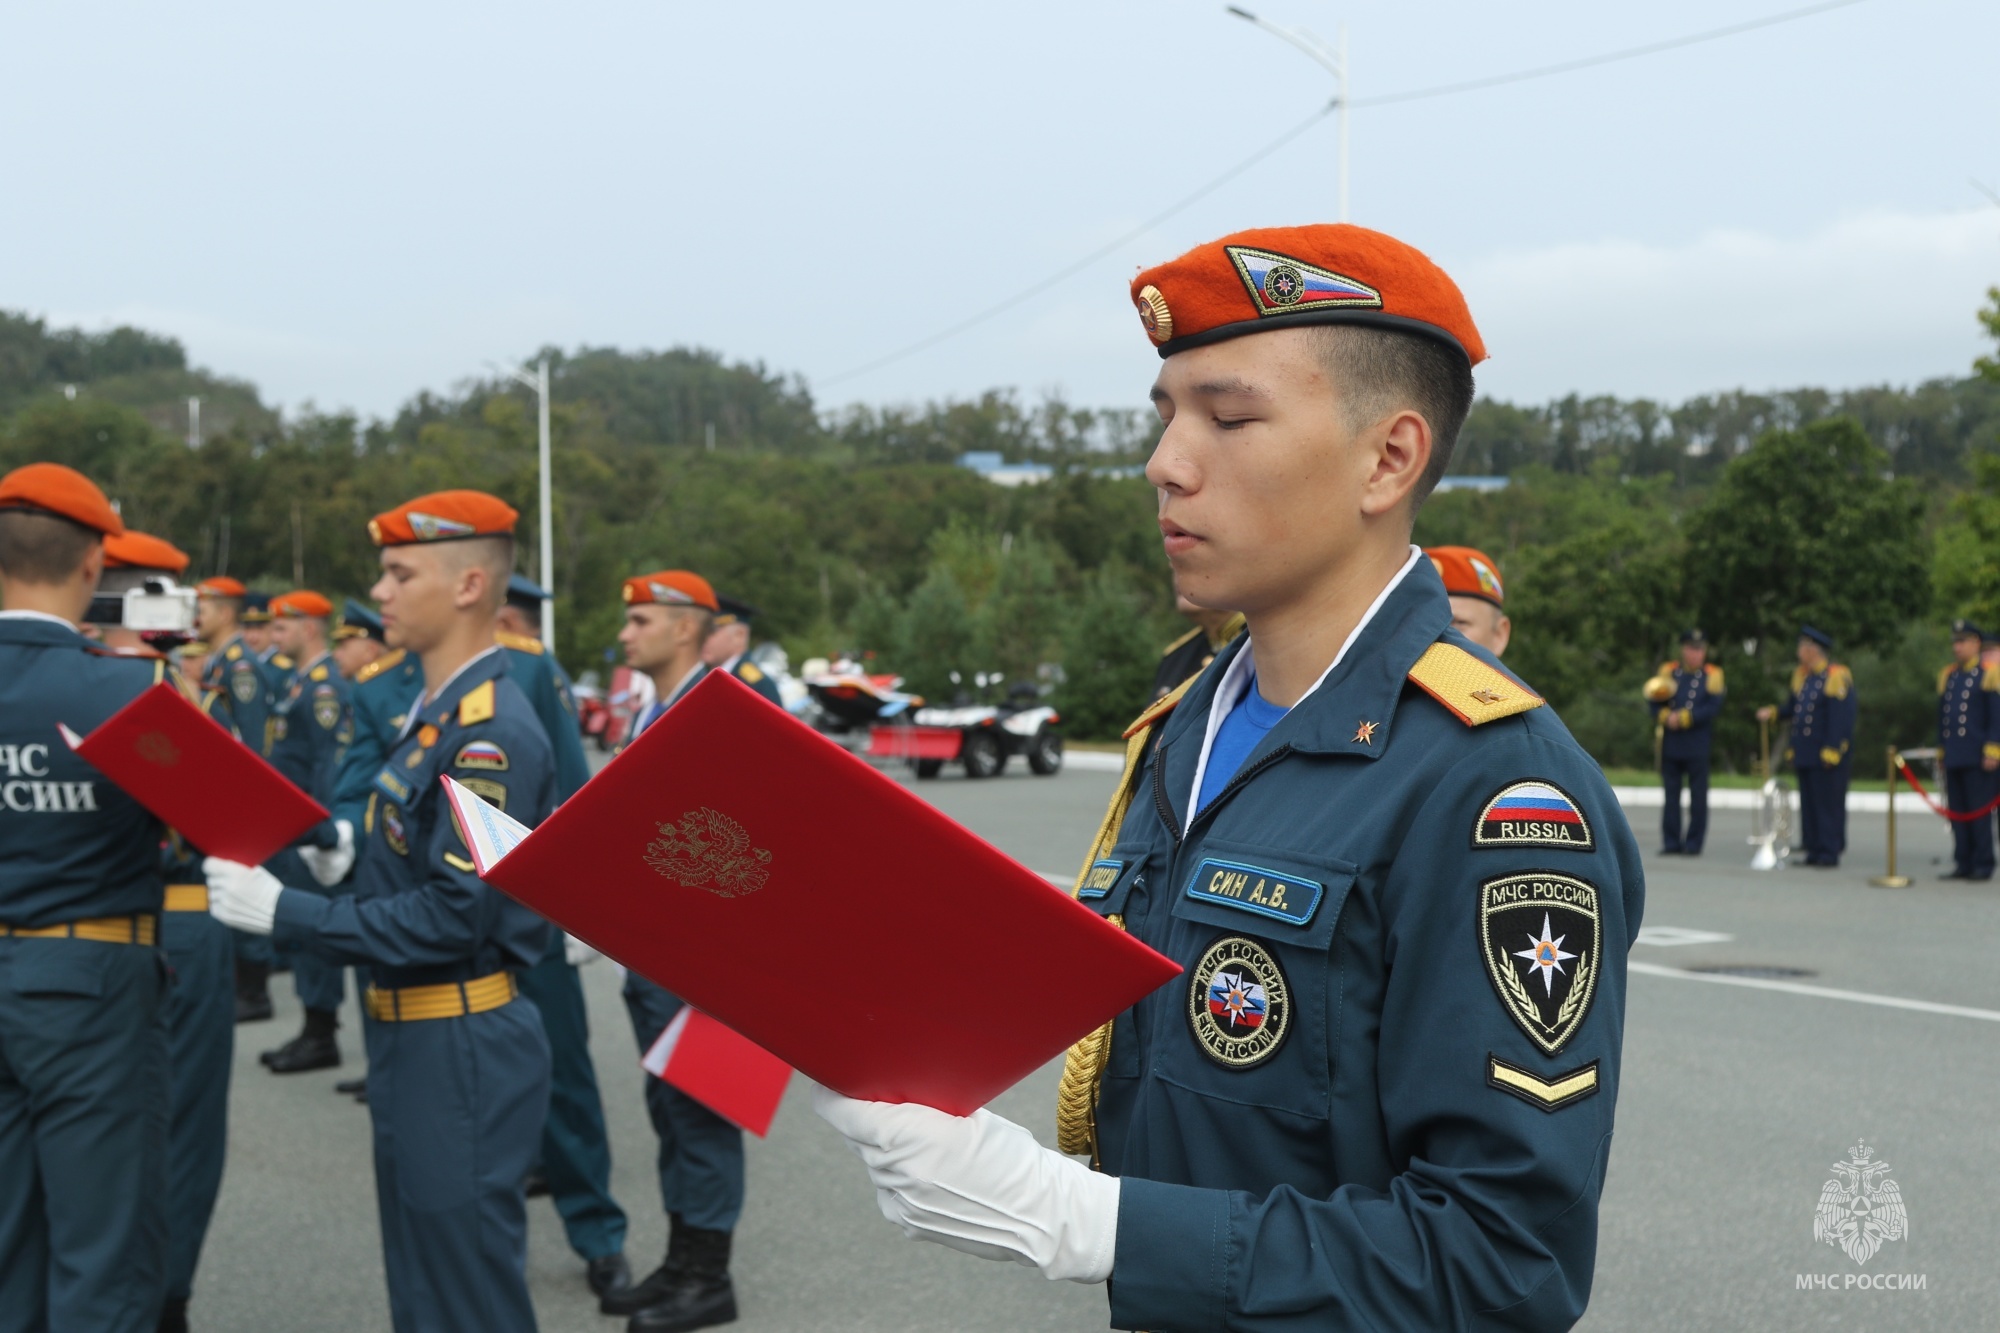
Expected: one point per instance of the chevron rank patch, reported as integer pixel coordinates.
(481, 754)
(1535, 813)
(1546, 1094)
(1281, 285)
(1539, 933)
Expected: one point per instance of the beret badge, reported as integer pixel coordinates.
(1154, 316)
(1281, 285)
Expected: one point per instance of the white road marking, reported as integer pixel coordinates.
(1666, 937)
(1820, 992)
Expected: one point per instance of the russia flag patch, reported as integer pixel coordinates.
(1281, 285)
(1534, 813)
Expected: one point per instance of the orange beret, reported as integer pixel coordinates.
(220, 586)
(1275, 277)
(671, 587)
(443, 516)
(141, 550)
(1467, 573)
(302, 602)
(56, 489)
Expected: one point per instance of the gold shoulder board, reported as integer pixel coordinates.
(1474, 691)
(749, 672)
(1944, 676)
(1839, 680)
(1168, 651)
(477, 705)
(520, 643)
(378, 666)
(1714, 678)
(319, 673)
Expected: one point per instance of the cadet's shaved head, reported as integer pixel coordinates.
(43, 548)
(494, 555)
(1380, 371)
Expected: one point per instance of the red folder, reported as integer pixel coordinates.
(823, 911)
(730, 1075)
(221, 796)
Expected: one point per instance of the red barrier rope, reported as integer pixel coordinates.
(1955, 816)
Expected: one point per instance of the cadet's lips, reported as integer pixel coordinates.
(1177, 539)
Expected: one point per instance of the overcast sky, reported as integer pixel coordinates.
(347, 204)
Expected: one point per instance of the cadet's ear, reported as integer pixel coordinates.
(1400, 449)
(93, 565)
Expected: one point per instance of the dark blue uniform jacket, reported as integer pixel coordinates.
(1821, 709)
(246, 686)
(418, 914)
(1696, 699)
(1968, 715)
(381, 701)
(1406, 1130)
(72, 845)
(311, 724)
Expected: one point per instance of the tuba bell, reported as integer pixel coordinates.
(1771, 816)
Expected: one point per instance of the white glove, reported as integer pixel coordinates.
(576, 953)
(242, 897)
(982, 1185)
(329, 865)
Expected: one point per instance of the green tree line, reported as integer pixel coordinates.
(1873, 513)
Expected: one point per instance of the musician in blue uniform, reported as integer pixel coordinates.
(311, 724)
(245, 688)
(458, 1070)
(84, 1082)
(1685, 698)
(1969, 739)
(201, 1012)
(574, 1166)
(728, 647)
(1381, 1095)
(1821, 709)
(668, 617)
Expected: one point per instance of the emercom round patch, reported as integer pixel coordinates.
(1238, 1003)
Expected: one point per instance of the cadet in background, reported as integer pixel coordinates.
(1821, 710)
(201, 1010)
(1478, 598)
(311, 725)
(727, 643)
(1685, 696)
(1969, 739)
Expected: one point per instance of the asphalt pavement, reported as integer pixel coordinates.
(1846, 1013)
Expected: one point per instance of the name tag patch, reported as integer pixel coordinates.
(1267, 893)
(392, 786)
(1100, 878)
(1534, 813)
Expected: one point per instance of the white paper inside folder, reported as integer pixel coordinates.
(661, 1051)
(488, 833)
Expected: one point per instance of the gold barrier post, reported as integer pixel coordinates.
(1891, 880)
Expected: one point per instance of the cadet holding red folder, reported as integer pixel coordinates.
(458, 1068)
(1381, 1096)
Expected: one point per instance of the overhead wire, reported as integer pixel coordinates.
(1386, 99)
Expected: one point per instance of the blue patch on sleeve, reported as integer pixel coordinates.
(1103, 874)
(1270, 893)
(392, 786)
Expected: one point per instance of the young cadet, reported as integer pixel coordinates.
(728, 642)
(1478, 599)
(1685, 696)
(244, 692)
(458, 1073)
(84, 1090)
(1821, 709)
(201, 1012)
(311, 723)
(1186, 657)
(575, 1158)
(668, 617)
(1381, 1096)
(1969, 737)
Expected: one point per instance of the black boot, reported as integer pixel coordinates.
(652, 1288)
(174, 1315)
(700, 1294)
(253, 992)
(314, 1048)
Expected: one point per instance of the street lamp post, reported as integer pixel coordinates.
(539, 382)
(1333, 60)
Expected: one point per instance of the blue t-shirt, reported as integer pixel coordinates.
(1240, 733)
